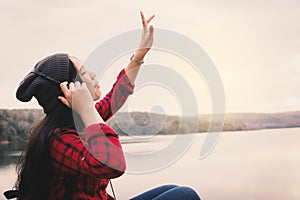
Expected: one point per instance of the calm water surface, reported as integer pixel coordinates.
(249, 165)
(9, 153)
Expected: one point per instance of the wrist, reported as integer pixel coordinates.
(137, 61)
(140, 54)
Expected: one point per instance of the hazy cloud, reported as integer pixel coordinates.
(254, 44)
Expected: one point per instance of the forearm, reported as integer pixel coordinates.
(145, 45)
(133, 68)
(91, 116)
(117, 96)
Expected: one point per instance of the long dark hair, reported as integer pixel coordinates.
(34, 166)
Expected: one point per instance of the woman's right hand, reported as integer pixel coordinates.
(147, 37)
(78, 98)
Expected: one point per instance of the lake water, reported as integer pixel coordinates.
(248, 165)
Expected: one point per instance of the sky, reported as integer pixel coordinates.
(254, 45)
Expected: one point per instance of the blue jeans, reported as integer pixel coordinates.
(168, 192)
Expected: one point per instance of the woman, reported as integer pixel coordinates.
(57, 162)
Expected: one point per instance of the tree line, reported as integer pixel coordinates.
(16, 124)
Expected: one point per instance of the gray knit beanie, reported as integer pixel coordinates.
(43, 81)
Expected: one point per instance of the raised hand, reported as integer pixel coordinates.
(147, 37)
(145, 45)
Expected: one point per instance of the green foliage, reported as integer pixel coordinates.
(16, 124)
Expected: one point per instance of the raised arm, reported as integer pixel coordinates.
(133, 67)
(123, 87)
(116, 98)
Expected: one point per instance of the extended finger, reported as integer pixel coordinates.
(64, 101)
(84, 85)
(143, 19)
(63, 87)
(77, 84)
(150, 18)
(71, 86)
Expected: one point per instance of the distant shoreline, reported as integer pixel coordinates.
(16, 123)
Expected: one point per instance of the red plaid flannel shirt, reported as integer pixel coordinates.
(96, 159)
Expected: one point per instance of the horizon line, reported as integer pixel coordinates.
(204, 113)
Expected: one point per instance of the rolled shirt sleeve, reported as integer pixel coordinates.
(116, 98)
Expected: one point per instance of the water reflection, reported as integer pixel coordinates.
(244, 165)
(10, 153)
